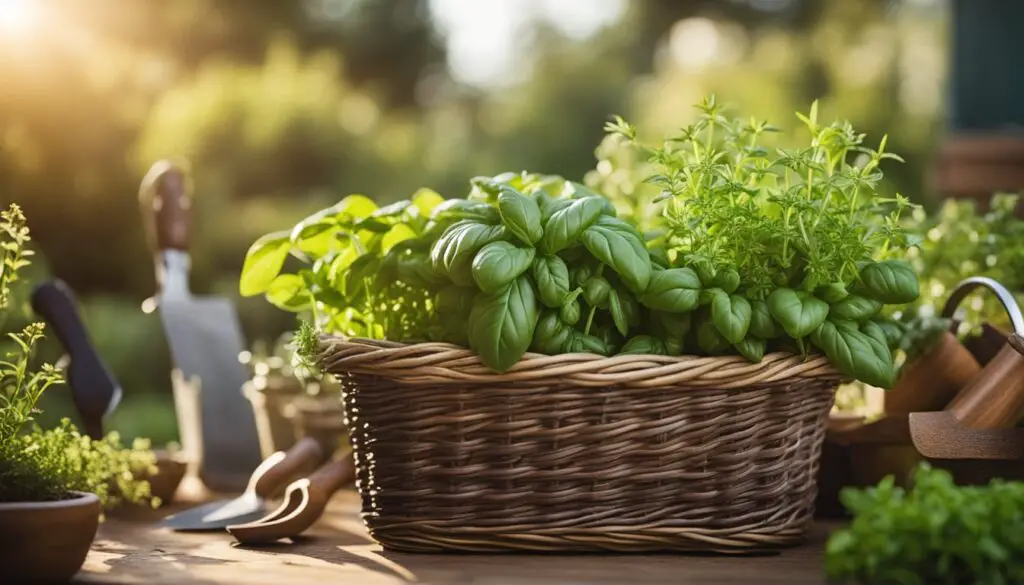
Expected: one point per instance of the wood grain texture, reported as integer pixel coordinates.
(339, 551)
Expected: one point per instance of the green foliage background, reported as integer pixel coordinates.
(283, 107)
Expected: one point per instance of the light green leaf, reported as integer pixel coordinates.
(263, 263)
(855, 308)
(289, 292)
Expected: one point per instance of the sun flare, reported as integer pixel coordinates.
(16, 16)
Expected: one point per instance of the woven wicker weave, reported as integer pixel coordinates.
(581, 452)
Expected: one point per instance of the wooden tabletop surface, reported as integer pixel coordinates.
(338, 551)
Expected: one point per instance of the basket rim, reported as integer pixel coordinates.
(439, 362)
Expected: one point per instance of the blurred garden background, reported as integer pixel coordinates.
(283, 107)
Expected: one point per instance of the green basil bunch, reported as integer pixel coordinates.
(531, 262)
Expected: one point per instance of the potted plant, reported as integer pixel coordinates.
(54, 483)
(532, 351)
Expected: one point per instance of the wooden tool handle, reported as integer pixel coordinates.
(166, 197)
(995, 399)
(333, 476)
(297, 461)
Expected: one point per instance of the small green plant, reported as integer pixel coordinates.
(42, 465)
(937, 532)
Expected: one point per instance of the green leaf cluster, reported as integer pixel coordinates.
(44, 465)
(937, 532)
(792, 247)
(754, 253)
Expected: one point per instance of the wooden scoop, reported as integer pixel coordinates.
(979, 422)
(304, 503)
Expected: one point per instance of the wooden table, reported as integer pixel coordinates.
(338, 551)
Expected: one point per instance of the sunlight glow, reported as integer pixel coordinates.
(18, 16)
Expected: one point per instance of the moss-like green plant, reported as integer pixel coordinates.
(44, 465)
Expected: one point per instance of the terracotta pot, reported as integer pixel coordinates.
(170, 471)
(931, 381)
(46, 542)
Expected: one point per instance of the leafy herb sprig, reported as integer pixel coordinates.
(937, 532)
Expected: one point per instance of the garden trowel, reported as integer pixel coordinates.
(204, 336)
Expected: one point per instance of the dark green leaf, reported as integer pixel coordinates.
(798, 312)
(644, 345)
(583, 343)
(455, 300)
(566, 225)
(552, 278)
(569, 313)
(890, 282)
(520, 215)
(676, 290)
(453, 253)
(855, 354)
(761, 323)
(731, 315)
(832, 293)
(616, 244)
(709, 339)
(892, 330)
(752, 348)
(499, 263)
(595, 292)
(551, 334)
(618, 315)
(502, 324)
(855, 308)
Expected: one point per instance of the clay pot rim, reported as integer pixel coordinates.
(78, 499)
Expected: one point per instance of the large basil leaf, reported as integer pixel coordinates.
(453, 253)
(855, 308)
(502, 324)
(549, 205)
(890, 281)
(630, 307)
(644, 344)
(761, 323)
(520, 215)
(731, 315)
(315, 235)
(673, 324)
(263, 262)
(566, 225)
(855, 354)
(872, 330)
(552, 278)
(618, 314)
(752, 348)
(675, 290)
(798, 312)
(499, 263)
(618, 245)
(551, 333)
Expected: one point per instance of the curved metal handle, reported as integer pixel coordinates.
(1005, 297)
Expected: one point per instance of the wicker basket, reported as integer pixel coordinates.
(581, 452)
